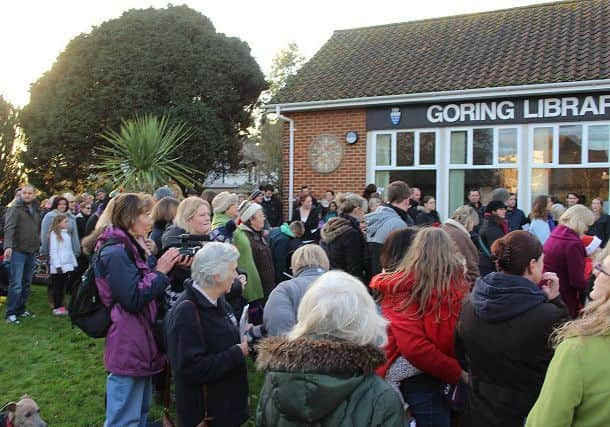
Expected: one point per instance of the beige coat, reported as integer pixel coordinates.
(461, 237)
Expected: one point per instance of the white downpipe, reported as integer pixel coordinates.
(290, 160)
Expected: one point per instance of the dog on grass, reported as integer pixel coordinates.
(24, 413)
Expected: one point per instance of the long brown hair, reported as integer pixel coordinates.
(539, 210)
(436, 267)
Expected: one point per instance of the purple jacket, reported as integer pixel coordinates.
(565, 255)
(130, 348)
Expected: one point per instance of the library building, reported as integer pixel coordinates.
(516, 98)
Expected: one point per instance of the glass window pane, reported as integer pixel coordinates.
(570, 144)
(507, 145)
(384, 150)
(461, 181)
(588, 182)
(427, 148)
(599, 143)
(482, 146)
(382, 180)
(425, 180)
(458, 147)
(543, 145)
(405, 149)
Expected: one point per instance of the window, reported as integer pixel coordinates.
(543, 145)
(590, 182)
(461, 181)
(383, 151)
(427, 148)
(405, 149)
(570, 145)
(423, 179)
(507, 145)
(483, 146)
(599, 143)
(459, 146)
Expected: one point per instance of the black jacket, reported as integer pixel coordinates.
(201, 348)
(344, 245)
(427, 218)
(490, 232)
(282, 247)
(601, 229)
(273, 211)
(502, 340)
(22, 227)
(515, 219)
(311, 224)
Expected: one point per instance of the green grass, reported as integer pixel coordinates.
(62, 368)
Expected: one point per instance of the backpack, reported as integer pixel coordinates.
(86, 309)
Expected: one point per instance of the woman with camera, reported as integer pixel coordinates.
(204, 346)
(129, 279)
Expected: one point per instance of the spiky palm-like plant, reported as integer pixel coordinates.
(144, 154)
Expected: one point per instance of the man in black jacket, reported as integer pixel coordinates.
(272, 206)
(21, 242)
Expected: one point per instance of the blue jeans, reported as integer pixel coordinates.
(22, 269)
(429, 408)
(127, 401)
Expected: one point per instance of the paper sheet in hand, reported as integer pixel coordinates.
(243, 321)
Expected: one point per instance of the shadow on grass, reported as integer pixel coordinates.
(62, 368)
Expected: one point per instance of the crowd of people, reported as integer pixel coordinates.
(363, 309)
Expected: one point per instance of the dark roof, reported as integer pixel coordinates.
(548, 43)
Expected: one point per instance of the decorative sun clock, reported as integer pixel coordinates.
(325, 153)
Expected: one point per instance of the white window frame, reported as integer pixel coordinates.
(495, 150)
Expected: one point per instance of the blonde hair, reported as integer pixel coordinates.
(578, 218)
(309, 256)
(337, 305)
(436, 267)
(594, 321)
(467, 216)
(187, 209)
(59, 218)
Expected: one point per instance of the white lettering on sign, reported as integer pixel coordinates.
(505, 110)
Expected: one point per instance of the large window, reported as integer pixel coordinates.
(569, 158)
(482, 158)
(409, 155)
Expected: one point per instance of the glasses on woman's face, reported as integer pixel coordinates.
(599, 268)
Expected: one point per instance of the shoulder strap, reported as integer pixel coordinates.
(483, 247)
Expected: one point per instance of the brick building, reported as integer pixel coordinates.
(518, 98)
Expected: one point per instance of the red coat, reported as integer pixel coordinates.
(426, 342)
(565, 255)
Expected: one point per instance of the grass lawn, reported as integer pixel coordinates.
(62, 368)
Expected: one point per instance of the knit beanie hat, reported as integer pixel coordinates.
(162, 192)
(247, 210)
(255, 194)
(223, 201)
(591, 243)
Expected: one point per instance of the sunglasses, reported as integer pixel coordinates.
(598, 268)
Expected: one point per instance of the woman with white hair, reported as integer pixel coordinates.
(565, 255)
(308, 263)
(323, 372)
(204, 346)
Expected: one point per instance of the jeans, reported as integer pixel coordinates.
(429, 408)
(22, 269)
(128, 400)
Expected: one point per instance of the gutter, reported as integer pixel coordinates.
(490, 92)
(290, 161)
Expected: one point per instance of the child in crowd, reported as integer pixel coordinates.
(61, 260)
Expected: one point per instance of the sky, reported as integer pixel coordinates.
(34, 32)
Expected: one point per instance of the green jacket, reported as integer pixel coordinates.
(22, 227)
(327, 383)
(219, 220)
(576, 390)
(254, 288)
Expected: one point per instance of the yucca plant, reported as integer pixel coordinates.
(144, 154)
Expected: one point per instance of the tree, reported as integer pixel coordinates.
(159, 61)
(11, 172)
(269, 140)
(144, 154)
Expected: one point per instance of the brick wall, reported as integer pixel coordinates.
(351, 173)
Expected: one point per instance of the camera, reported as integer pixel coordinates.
(189, 244)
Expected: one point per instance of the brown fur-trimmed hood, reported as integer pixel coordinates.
(323, 356)
(334, 228)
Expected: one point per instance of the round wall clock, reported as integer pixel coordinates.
(325, 153)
